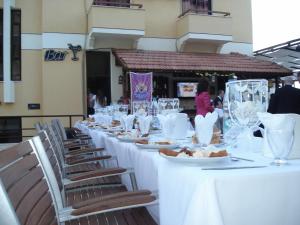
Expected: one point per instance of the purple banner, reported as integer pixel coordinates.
(141, 86)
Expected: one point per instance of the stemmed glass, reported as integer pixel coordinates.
(280, 142)
(123, 109)
(244, 99)
(163, 103)
(173, 103)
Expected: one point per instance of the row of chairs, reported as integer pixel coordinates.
(50, 179)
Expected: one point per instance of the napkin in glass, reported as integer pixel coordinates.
(204, 127)
(144, 124)
(127, 122)
(283, 122)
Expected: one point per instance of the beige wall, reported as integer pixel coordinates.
(117, 18)
(196, 23)
(31, 13)
(241, 18)
(161, 16)
(28, 90)
(64, 16)
(62, 86)
(200, 47)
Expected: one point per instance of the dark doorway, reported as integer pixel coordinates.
(98, 73)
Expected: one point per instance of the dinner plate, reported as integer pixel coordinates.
(131, 139)
(197, 161)
(112, 129)
(157, 146)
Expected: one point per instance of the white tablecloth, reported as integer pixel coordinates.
(191, 196)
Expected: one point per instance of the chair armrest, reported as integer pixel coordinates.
(110, 197)
(83, 151)
(133, 201)
(84, 160)
(97, 173)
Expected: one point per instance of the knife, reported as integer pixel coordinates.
(232, 167)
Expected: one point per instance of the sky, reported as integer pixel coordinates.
(275, 22)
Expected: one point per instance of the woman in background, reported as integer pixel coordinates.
(202, 99)
(100, 100)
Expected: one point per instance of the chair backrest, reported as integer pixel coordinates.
(54, 178)
(23, 183)
(60, 128)
(54, 161)
(38, 126)
(55, 147)
(54, 131)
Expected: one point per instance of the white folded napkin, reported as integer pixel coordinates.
(285, 122)
(174, 125)
(204, 127)
(127, 122)
(103, 119)
(144, 124)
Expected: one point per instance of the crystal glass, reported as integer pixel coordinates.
(280, 142)
(162, 104)
(123, 109)
(245, 99)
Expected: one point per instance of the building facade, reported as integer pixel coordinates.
(57, 49)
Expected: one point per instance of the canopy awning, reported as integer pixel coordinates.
(140, 60)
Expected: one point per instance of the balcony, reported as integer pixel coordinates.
(211, 26)
(109, 19)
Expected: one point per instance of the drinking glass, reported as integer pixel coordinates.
(244, 99)
(280, 142)
(163, 103)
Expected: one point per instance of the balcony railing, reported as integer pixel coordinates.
(205, 12)
(116, 19)
(117, 4)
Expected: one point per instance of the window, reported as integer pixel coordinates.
(15, 45)
(116, 3)
(198, 6)
(10, 130)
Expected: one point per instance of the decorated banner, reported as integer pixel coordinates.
(141, 87)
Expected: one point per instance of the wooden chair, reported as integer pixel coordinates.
(79, 139)
(27, 198)
(81, 160)
(86, 171)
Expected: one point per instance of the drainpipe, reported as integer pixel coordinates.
(8, 84)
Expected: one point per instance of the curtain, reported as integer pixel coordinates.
(112, 3)
(198, 6)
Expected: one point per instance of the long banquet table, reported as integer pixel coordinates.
(189, 195)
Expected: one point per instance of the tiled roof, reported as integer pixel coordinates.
(182, 61)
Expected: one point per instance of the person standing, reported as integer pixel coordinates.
(90, 103)
(218, 104)
(202, 99)
(99, 101)
(285, 99)
(218, 101)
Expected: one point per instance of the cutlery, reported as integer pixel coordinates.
(234, 158)
(232, 167)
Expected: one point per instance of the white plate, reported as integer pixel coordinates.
(198, 161)
(157, 146)
(111, 134)
(112, 129)
(131, 139)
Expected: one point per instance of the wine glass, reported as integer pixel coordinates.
(244, 99)
(163, 103)
(280, 142)
(173, 103)
(123, 109)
